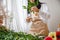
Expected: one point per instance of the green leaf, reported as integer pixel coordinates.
(24, 7)
(11, 35)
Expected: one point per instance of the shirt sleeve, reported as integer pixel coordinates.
(44, 13)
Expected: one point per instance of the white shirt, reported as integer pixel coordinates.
(44, 13)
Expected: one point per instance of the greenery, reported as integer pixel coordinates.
(31, 5)
(6, 34)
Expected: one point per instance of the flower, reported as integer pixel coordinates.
(53, 35)
(48, 38)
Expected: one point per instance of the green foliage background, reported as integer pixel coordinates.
(6, 34)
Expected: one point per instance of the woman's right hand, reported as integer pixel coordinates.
(28, 19)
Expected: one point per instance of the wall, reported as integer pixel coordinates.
(54, 10)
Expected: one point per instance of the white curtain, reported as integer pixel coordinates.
(20, 14)
(17, 19)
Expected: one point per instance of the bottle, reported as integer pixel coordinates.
(58, 32)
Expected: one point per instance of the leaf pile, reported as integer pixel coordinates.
(11, 35)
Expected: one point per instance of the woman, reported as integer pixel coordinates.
(37, 21)
(33, 6)
(39, 7)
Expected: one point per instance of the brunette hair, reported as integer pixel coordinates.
(39, 4)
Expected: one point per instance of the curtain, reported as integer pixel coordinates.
(18, 15)
(16, 20)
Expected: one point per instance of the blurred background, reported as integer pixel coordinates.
(54, 10)
(17, 14)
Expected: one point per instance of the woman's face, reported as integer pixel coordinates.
(32, 1)
(34, 9)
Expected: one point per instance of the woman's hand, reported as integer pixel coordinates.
(28, 19)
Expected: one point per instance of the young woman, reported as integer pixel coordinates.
(39, 9)
(33, 6)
